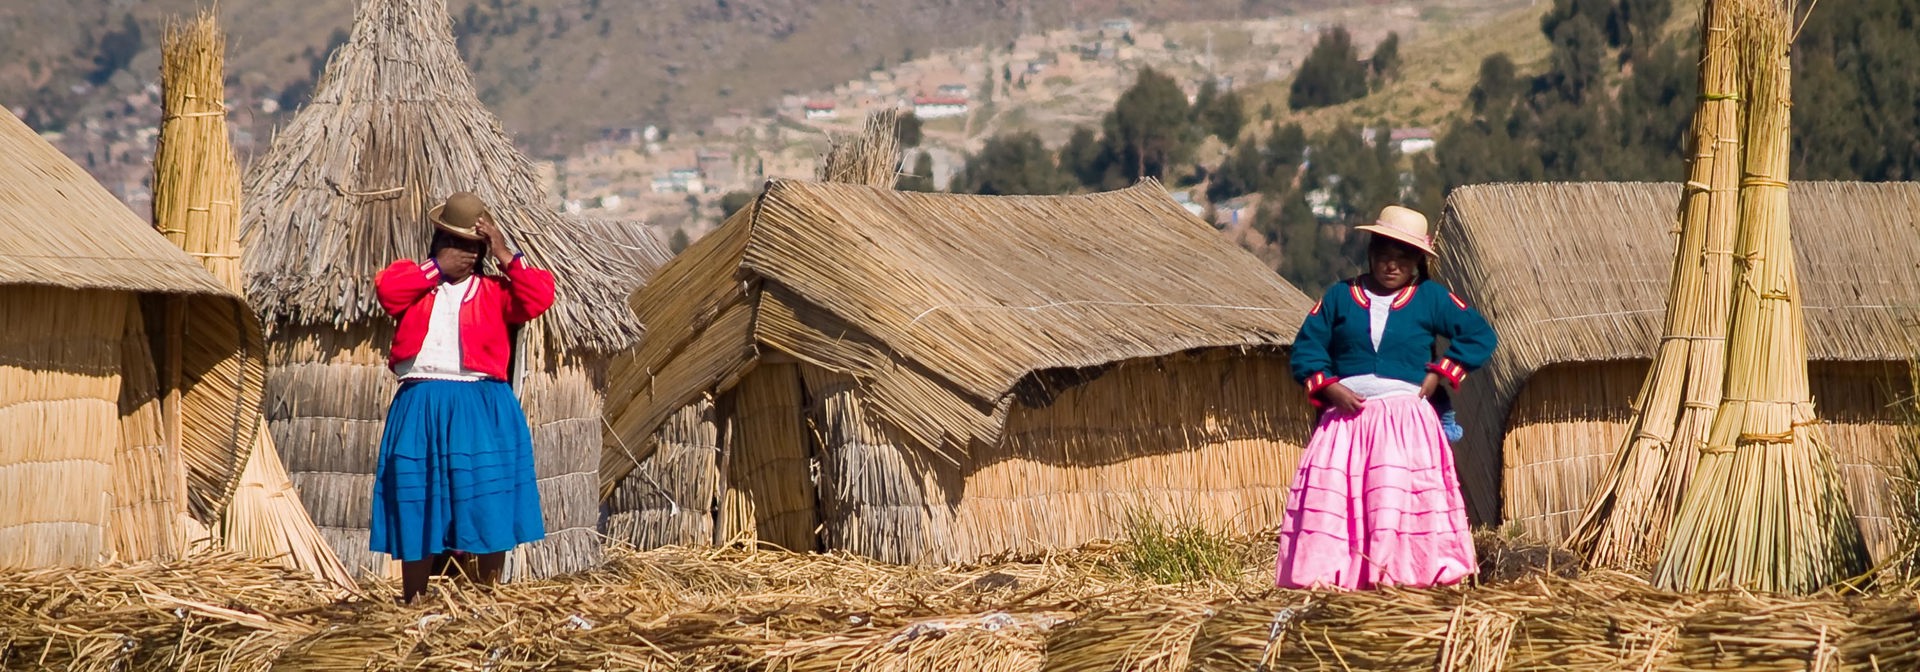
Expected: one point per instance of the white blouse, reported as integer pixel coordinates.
(439, 357)
(1370, 386)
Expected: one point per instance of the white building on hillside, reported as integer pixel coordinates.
(936, 107)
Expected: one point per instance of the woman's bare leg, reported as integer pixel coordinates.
(489, 565)
(413, 578)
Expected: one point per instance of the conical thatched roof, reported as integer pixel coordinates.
(394, 127)
(941, 305)
(65, 230)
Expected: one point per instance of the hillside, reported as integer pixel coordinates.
(555, 71)
(1437, 74)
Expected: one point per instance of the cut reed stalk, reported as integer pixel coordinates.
(1628, 518)
(1766, 510)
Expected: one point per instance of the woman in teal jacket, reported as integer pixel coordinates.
(1376, 501)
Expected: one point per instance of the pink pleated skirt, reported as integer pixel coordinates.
(1376, 503)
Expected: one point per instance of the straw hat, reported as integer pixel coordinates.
(462, 211)
(1404, 225)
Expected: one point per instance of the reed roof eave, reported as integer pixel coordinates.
(65, 230)
(984, 290)
(394, 126)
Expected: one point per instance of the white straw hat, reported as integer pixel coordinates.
(1404, 225)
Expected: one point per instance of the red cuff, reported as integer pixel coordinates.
(1450, 370)
(431, 269)
(1317, 382)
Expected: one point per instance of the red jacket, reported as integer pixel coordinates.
(491, 304)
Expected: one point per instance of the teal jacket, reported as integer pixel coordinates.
(1335, 341)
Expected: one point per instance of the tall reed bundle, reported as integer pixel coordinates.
(1628, 519)
(196, 181)
(1766, 510)
(871, 158)
(196, 204)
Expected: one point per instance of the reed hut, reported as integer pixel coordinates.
(120, 442)
(932, 377)
(394, 126)
(1574, 277)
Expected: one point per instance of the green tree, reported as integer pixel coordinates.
(1223, 117)
(1331, 74)
(1084, 158)
(1385, 62)
(732, 201)
(1149, 130)
(1015, 164)
(1244, 172)
(921, 178)
(117, 49)
(910, 131)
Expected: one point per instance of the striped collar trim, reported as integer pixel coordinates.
(1400, 299)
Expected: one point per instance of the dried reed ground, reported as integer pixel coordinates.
(721, 609)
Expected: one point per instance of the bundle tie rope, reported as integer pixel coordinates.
(182, 115)
(1720, 96)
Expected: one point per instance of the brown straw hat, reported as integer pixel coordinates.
(459, 215)
(1404, 225)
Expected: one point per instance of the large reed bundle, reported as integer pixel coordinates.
(1767, 511)
(1628, 518)
(196, 181)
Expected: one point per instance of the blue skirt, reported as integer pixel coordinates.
(456, 472)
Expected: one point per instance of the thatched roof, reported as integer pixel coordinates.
(65, 230)
(1579, 272)
(395, 126)
(940, 305)
(634, 253)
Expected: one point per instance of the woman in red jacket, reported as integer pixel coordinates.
(456, 460)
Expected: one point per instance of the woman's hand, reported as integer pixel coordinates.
(496, 241)
(1338, 396)
(1430, 385)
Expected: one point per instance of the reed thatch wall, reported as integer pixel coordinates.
(561, 395)
(1205, 438)
(60, 362)
(328, 392)
(668, 500)
(1574, 277)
